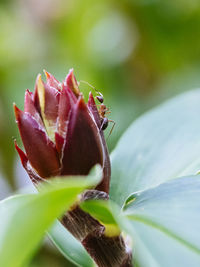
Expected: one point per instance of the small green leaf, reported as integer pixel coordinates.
(99, 209)
(164, 223)
(159, 146)
(25, 218)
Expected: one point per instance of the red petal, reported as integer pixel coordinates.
(40, 151)
(32, 174)
(83, 148)
(52, 97)
(52, 81)
(50, 101)
(30, 107)
(36, 96)
(70, 93)
(65, 105)
(59, 143)
(21, 153)
(72, 84)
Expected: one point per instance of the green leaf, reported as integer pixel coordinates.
(159, 146)
(69, 246)
(100, 210)
(25, 218)
(164, 223)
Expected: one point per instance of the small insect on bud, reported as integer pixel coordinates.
(103, 110)
(100, 98)
(104, 123)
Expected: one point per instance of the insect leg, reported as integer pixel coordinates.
(114, 123)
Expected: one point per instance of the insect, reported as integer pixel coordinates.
(103, 110)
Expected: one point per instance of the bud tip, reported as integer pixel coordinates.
(17, 111)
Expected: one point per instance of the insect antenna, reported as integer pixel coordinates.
(100, 96)
(87, 83)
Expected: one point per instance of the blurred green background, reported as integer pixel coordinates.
(136, 52)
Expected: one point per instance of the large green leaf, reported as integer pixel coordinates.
(161, 145)
(69, 246)
(24, 218)
(164, 223)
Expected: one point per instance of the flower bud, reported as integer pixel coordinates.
(61, 133)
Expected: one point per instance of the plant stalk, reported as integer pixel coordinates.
(106, 251)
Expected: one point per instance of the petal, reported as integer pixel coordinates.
(65, 105)
(59, 140)
(49, 102)
(52, 97)
(40, 151)
(36, 96)
(104, 185)
(21, 153)
(83, 148)
(70, 92)
(49, 99)
(35, 178)
(30, 107)
(72, 84)
(52, 81)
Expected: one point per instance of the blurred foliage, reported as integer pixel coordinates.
(49, 257)
(136, 52)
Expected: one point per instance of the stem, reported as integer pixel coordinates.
(106, 251)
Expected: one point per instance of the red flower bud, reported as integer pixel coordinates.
(61, 133)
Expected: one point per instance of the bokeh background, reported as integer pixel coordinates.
(136, 52)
